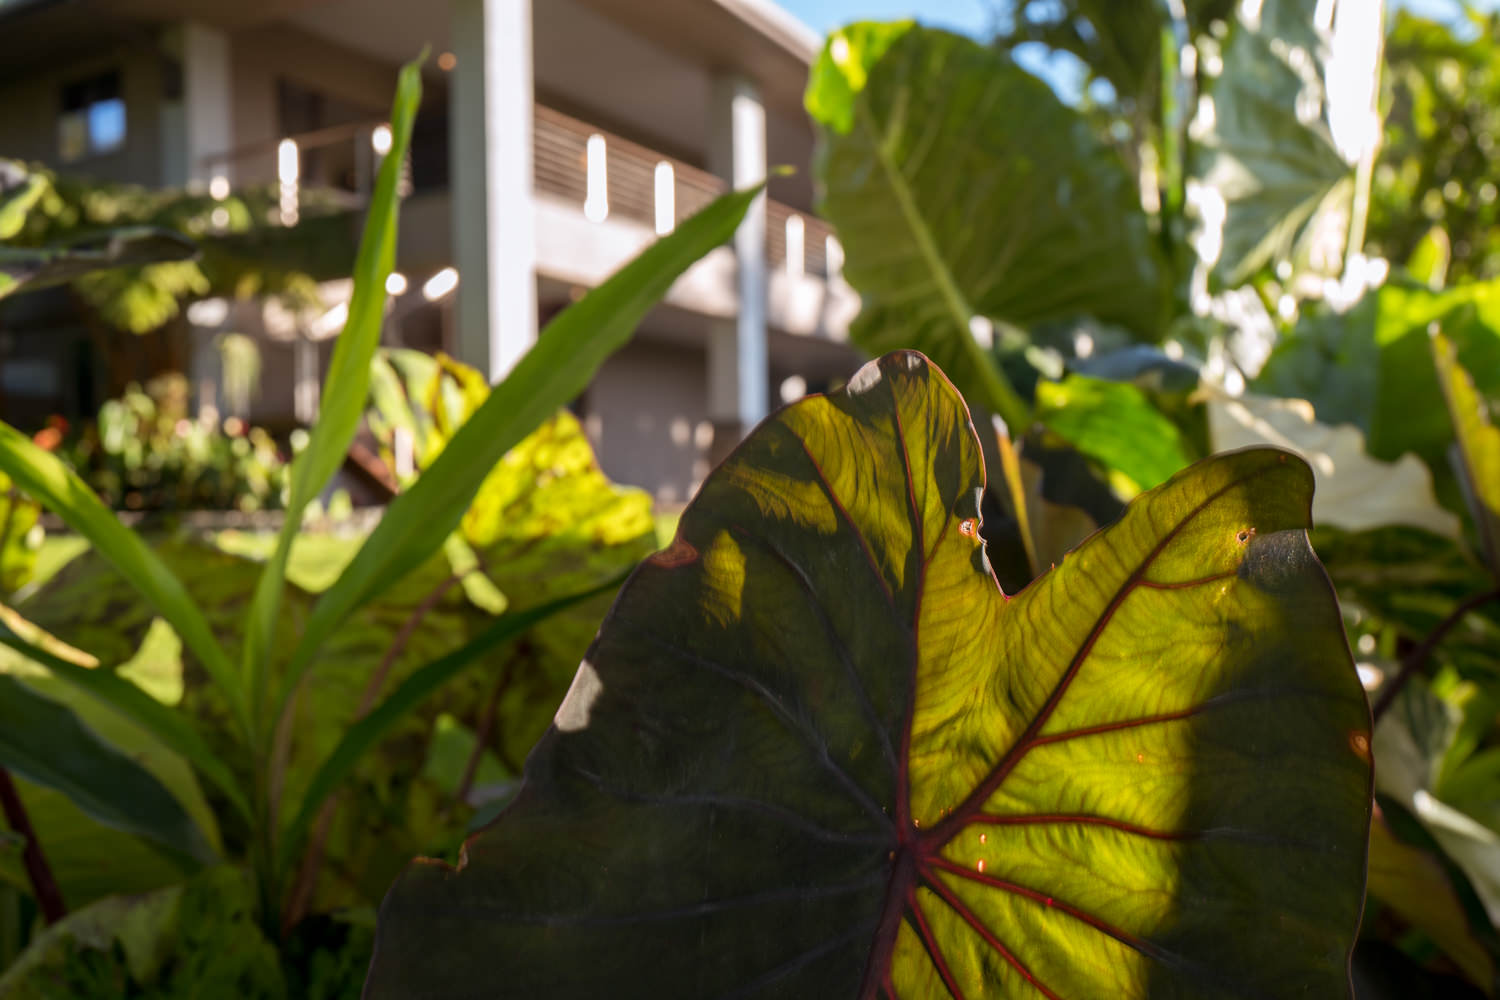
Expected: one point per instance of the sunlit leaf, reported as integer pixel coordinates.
(1116, 424)
(815, 752)
(1266, 163)
(1354, 491)
(1476, 453)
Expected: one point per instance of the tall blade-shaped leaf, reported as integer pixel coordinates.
(368, 731)
(348, 382)
(1476, 452)
(815, 752)
(45, 477)
(45, 743)
(961, 188)
(554, 371)
(170, 727)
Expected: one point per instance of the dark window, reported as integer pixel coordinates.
(93, 118)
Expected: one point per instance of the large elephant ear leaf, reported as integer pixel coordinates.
(964, 191)
(815, 752)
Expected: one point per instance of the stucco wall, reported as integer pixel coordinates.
(263, 55)
(29, 111)
(646, 416)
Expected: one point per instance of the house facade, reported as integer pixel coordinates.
(556, 140)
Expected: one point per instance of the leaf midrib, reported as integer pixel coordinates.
(959, 818)
(1008, 405)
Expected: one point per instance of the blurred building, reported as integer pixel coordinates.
(556, 140)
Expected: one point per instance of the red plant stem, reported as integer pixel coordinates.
(1417, 657)
(48, 896)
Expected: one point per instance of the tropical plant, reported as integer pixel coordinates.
(135, 256)
(815, 750)
(1033, 332)
(1440, 163)
(22, 193)
(145, 452)
(268, 776)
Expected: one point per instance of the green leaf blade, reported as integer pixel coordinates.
(347, 384)
(815, 751)
(45, 743)
(59, 489)
(170, 727)
(557, 368)
(368, 731)
(1476, 453)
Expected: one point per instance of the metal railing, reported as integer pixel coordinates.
(605, 174)
(635, 182)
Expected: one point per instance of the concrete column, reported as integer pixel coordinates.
(197, 122)
(494, 218)
(738, 362)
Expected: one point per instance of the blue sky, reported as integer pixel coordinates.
(972, 16)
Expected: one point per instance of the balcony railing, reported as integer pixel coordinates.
(604, 174)
(609, 175)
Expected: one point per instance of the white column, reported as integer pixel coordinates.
(198, 123)
(738, 363)
(494, 219)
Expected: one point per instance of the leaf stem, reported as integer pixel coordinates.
(48, 896)
(1417, 657)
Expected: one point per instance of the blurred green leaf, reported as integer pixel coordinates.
(200, 939)
(1354, 491)
(20, 536)
(59, 489)
(564, 359)
(19, 192)
(45, 743)
(1476, 452)
(1283, 189)
(1373, 367)
(1411, 742)
(132, 703)
(30, 268)
(1116, 424)
(369, 730)
(1414, 884)
(965, 192)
